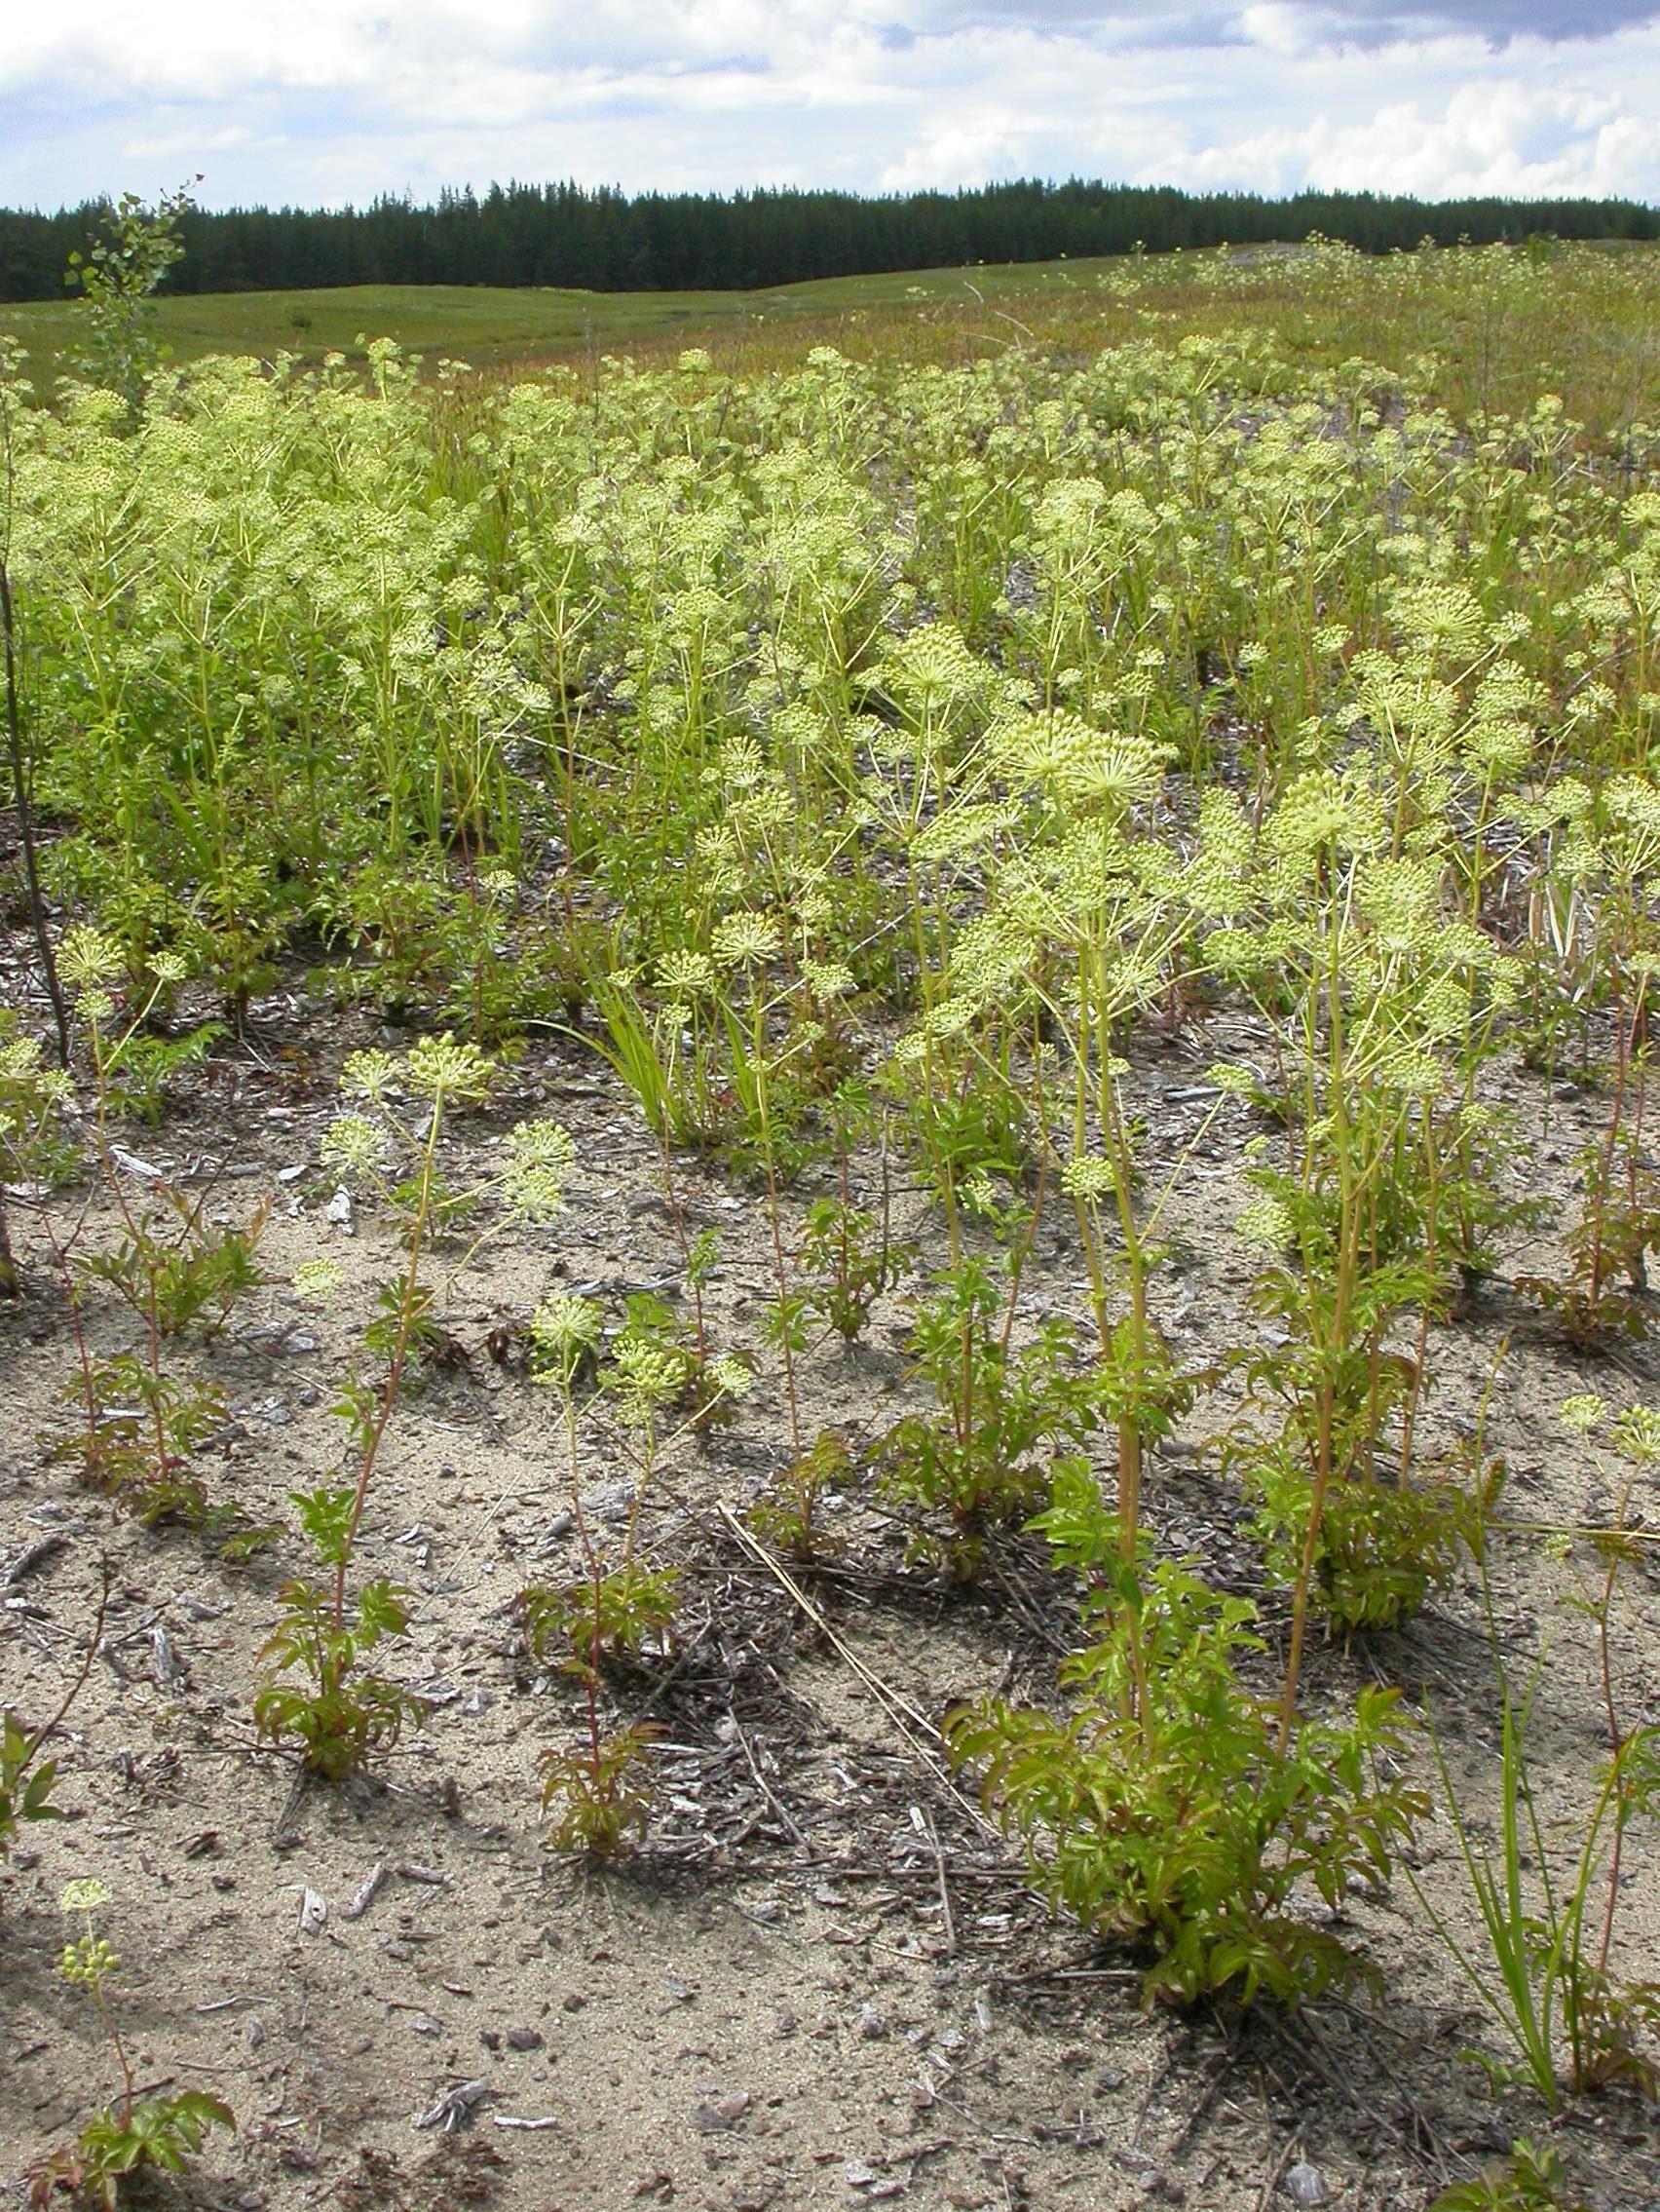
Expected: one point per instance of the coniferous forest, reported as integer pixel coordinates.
(607, 239)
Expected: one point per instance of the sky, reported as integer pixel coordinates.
(317, 102)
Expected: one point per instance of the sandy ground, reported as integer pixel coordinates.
(821, 1982)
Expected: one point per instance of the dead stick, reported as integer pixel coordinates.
(1266, 2194)
(763, 1785)
(944, 1888)
(79, 1683)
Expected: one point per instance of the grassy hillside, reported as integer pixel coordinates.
(489, 325)
(1481, 328)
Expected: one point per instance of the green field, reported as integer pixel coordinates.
(490, 326)
(1485, 326)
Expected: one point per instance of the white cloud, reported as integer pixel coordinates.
(982, 146)
(1499, 132)
(315, 102)
(1277, 27)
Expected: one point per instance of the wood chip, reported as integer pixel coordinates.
(168, 1671)
(314, 1909)
(365, 1894)
(31, 1557)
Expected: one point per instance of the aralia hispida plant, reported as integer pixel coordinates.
(124, 1006)
(341, 1711)
(982, 1461)
(19, 745)
(789, 1513)
(36, 1149)
(1532, 2178)
(852, 1259)
(744, 943)
(170, 1265)
(1344, 1525)
(26, 1779)
(137, 2133)
(1165, 1809)
(1609, 859)
(1601, 1297)
(599, 1788)
(850, 1254)
(1371, 993)
(1139, 1384)
(1143, 1390)
(1092, 919)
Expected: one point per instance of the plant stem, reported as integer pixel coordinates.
(763, 1099)
(114, 2034)
(21, 800)
(407, 1303)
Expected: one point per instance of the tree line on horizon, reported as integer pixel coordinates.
(605, 239)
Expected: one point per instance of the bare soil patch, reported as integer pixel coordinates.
(821, 1981)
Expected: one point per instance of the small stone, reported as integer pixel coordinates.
(1305, 2185)
(525, 2038)
(424, 2023)
(573, 2002)
(857, 2175)
(873, 2024)
(718, 2115)
(490, 2038)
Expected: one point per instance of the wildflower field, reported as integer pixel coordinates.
(823, 1223)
